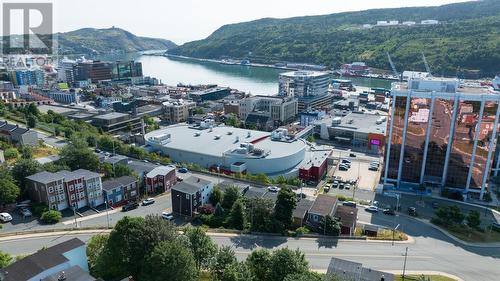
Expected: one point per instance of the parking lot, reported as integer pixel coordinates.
(359, 170)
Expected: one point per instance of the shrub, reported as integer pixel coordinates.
(301, 231)
(344, 198)
(39, 208)
(11, 153)
(206, 210)
(450, 194)
(51, 216)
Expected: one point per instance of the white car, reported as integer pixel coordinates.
(148, 201)
(372, 209)
(167, 216)
(5, 217)
(273, 188)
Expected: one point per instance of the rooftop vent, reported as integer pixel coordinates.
(217, 137)
(230, 133)
(197, 134)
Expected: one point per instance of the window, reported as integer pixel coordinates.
(72, 197)
(61, 197)
(52, 199)
(133, 193)
(51, 189)
(71, 188)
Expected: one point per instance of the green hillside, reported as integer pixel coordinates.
(91, 40)
(466, 40)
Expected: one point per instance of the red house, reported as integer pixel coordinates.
(160, 179)
(316, 167)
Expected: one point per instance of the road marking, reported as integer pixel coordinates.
(333, 254)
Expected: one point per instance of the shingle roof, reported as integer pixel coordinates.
(45, 177)
(191, 185)
(347, 215)
(19, 131)
(324, 205)
(74, 273)
(161, 170)
(302, 207)
(8, 127)
(113, 183)
(40, 261)
(85, 173)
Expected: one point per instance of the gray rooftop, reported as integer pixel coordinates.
(301, 208)
(191, 185)
(30, 266)
(45, 177)
(359, 122)
(324, 205)
(110, 116)
(116, 182)
(141, 168)
(74, 273)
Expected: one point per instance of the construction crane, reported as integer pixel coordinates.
(393, 66)
(427, 68)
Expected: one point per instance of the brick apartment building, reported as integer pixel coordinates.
(160, 179)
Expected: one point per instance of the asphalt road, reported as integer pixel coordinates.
(430, 251)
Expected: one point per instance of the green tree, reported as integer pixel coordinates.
(216, 196)
(54, 167)
(77, 155)
(230, 196)
(285, 204)
(258, 263)
(31, 121)
(22, 169)
(170, 260)
(449, 215)
(26, 152)
(123, 170)
(473, 219)
(9, 191)
(307, 276)
(51, 216)
(32, 109)
(329, 226)
(237, 216)
(219, 211)
(95, 248)
(224, 257)
(260, 212)
(106, 169)
(202, 246)
(284, 262)
(5, 259)
(236, 271)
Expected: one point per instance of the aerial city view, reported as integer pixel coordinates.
(278, 140)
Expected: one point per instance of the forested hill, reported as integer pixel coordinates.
(466, 40)
(92, 40)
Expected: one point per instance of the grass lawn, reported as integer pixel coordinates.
(474, 236)
(385, 234)
(44, 151)
(416, 278)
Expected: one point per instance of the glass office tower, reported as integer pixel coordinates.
(442, 134)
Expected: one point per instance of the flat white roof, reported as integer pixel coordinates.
(222, 139)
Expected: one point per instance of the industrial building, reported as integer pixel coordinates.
(441, 134)
(232, 149)
(359, 130)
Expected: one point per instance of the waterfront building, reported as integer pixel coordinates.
(94, 70)
(125, 70)
(66, 97)
(438, 135)
(27, 77)
(210, 94)
(309, 87)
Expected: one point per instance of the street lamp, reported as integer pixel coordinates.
(404, 265)
(393, 232)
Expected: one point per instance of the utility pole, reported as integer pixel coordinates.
(107, 213)
(394, 228)
(404, 265)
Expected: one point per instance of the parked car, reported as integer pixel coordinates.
(347, 186)
(301, 195)
(337, 178)
(25, 212)
(373, 168)
(5, 217)
(343, 167)
(346, 161)
(372, 209)
(350, 204)
(335, 184)
(412, 211)
(310, 183)
(341, 185)
(374, 203)
(273, 188)
(389, 212)
(167, 216)
(352, 155)
(435, 205)
(130, 206)
(148, 201)
(182, 170)
(179, 179)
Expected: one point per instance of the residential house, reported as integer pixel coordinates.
(15, 134)
(190, 194)
(300, 212)
(47, 262)
(324, 205)
(66, 189)
(120, 190)
(348, 217)
(116, 160)
(160, 179)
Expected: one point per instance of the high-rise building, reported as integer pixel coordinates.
(65, 71)
(94, 70)
(124, 70)
(310, 87)
(27, 77)
(441, 133)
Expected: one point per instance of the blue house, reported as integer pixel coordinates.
(120, 190)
